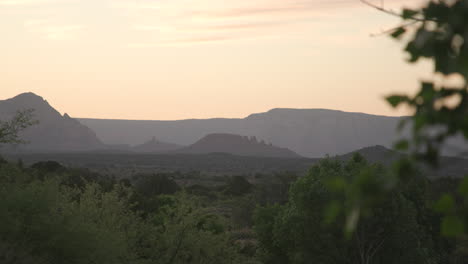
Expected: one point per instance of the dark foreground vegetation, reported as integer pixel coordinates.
(53, 214)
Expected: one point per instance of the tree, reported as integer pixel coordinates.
(390, 233)
(147, 189)
(10, 130)
(42, 221)
(237, 185)
(185, 232)
(47, 220)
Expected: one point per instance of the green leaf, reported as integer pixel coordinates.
(404, 169)
(402, 145)
(427, 91)
(445, 204)
(419, 122)
(408, 13)
(452, 226)
(463, 188)
(337, 184)
(398, 33)
(396, 100)
(332, 211)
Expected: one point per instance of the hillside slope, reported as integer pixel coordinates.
(54, 132)
(236, 145)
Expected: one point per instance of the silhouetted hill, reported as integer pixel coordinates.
(449, 166)
(155, 146)
(308, 132)
(237, 145)
(54, 131)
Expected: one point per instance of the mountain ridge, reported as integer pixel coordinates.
(54, 132)
(272, 110)
(308, 132)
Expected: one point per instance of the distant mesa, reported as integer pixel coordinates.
(54, 132)
(155, 146)
(307, 132)
(311, 133)
(237, 145)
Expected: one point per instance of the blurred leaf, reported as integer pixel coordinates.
(396, 100)
(427, 91)
(408, 13)
(419, 122)
(452, 226)
(332, 211)
(398, 33)
(445, 204)
(404, 168)
(337, 184)
(402, 145)
(463, 188)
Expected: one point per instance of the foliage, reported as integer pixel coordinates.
(186, 233)
(53, 214)
(438, 32)
(44, 218)
(48, 166)
(41, 220)
(148, 188)
(156, 184)
(441, 111)
(237, 185)
(394, 232)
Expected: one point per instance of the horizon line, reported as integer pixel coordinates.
(241, 118)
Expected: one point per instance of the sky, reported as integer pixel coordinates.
(179, 59)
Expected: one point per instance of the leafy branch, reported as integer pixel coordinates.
(439, 33)
(10, 130)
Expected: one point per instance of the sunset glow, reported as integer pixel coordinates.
(176, 59)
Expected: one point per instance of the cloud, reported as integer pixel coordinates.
(240, 26)
(48, 19)
(53, 30)
(13, 3)
(175, 21)
(203, 19)
(286, 7)
(181, 42)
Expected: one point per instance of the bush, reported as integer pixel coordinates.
(43, 220)
(309, 226)
(238, 185)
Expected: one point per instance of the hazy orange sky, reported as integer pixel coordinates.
(176, 59)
